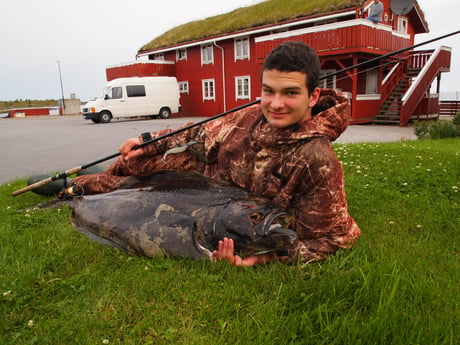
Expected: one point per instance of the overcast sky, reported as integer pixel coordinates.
(86, 36)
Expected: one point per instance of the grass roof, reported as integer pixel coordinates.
(263, 13)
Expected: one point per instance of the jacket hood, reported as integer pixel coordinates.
(330, 116)
(330, 119)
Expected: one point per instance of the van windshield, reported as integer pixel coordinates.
(105, 91)
(112, 92)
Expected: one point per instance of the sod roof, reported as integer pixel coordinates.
(243, 18)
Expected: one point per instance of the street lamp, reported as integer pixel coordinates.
(62, 89)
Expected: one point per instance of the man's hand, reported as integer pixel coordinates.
(226, 252)
(126, 149)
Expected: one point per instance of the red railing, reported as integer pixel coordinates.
(438, 62)
(357, 35)
(449, 108)
(420, 58)
(392, 79)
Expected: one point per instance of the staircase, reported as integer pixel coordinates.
(402, 91)
(390, 109)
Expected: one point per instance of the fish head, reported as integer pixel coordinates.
(256, 227)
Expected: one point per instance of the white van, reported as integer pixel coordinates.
(135, 96)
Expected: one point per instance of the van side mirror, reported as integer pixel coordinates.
(106, 96)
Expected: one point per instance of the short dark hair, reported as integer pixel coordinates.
(294, 56)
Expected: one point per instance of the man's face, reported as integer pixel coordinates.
(285, 98)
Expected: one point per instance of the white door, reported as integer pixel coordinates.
(371, 81)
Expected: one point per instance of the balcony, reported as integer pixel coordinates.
(341, 38)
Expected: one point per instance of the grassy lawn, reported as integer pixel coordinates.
(399, 285)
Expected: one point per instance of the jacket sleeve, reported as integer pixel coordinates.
(162, 145)
(319, 205)
(208, 137)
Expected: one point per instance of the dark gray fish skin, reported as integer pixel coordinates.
(182, 214)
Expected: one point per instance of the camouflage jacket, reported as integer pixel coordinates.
(294, 167)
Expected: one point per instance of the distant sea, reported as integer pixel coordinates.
(450, 96)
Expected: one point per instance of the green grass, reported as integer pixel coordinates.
(398, 285)
(26, 103)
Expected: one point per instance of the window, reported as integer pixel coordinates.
(402, 25)
(207, 55)
(181, 54)
(159, 56)
(242, 87)
(135, 90)
(183, 87)
(242, 48)
(327, 82)
(114, 93)
(208, 89)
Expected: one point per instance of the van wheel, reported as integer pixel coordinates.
(105, 117)
(165, 113)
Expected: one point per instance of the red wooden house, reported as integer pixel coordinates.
(220, 71)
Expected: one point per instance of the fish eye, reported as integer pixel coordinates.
(255, 218)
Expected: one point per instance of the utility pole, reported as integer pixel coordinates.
(62, 89)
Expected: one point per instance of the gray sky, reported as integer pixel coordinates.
(86, 36)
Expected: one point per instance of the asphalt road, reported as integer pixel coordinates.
(50, 144)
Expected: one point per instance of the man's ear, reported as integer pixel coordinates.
(314, 97)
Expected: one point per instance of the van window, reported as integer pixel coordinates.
(135, 90)
(114, 93)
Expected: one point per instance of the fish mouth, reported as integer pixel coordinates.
(273, 236)
(271, 221)
(279, 241)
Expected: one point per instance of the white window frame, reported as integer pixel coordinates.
(242, 51)
(159, 56)
(208, 89)
(325, 83)
(184, 87)
(402, 25)
(207, 54)
(181, 54)
(243, 87)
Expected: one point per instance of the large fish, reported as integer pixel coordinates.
(182, 214)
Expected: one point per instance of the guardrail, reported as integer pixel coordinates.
(449, 108)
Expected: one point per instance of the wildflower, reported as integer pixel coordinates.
(6, 293)
(105, 341)
(27, 215)
(30, 323)
(419, 226)
(391, 222)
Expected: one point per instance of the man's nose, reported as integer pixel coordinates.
(277, 101)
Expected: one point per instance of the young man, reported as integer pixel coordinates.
(375, 12)
(280, 149)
